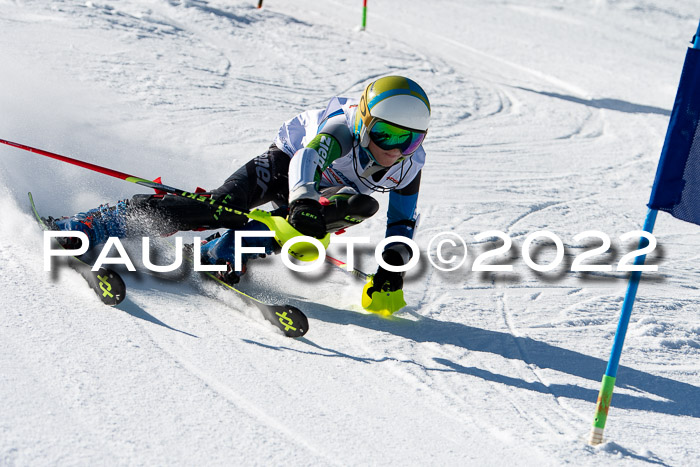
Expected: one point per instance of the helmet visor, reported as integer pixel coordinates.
(389, 136)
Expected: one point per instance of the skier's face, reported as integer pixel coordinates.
(383, 157)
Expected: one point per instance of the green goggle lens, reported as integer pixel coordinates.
(388, 137)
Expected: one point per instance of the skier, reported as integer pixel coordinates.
(319, 173)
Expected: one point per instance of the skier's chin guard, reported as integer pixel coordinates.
(303, 251)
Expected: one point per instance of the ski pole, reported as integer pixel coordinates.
(256, 215)
(283, 230)
(355, 272)
(129, 178)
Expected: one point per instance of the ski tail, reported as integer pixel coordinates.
(107, 284)
(287, 318)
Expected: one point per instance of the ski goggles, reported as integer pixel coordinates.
(389, 136)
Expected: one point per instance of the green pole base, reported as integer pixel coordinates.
(601, 410)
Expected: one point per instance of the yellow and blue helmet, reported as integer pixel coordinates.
(394, 112)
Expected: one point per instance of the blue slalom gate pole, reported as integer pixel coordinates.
(628, 303)
(608, 383)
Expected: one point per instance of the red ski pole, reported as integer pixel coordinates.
(283, 230)
(156, 185)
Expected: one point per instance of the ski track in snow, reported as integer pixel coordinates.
(272, 427)
(546, 116)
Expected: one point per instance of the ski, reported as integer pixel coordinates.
(107, 284)
(287, 318)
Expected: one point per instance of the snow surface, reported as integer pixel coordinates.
(547, 114)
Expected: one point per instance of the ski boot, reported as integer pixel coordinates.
(98, 224)
(219, 249)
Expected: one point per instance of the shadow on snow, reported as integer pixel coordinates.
(606, 103)
(678, 398)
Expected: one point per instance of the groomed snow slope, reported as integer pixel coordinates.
(547, 115)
